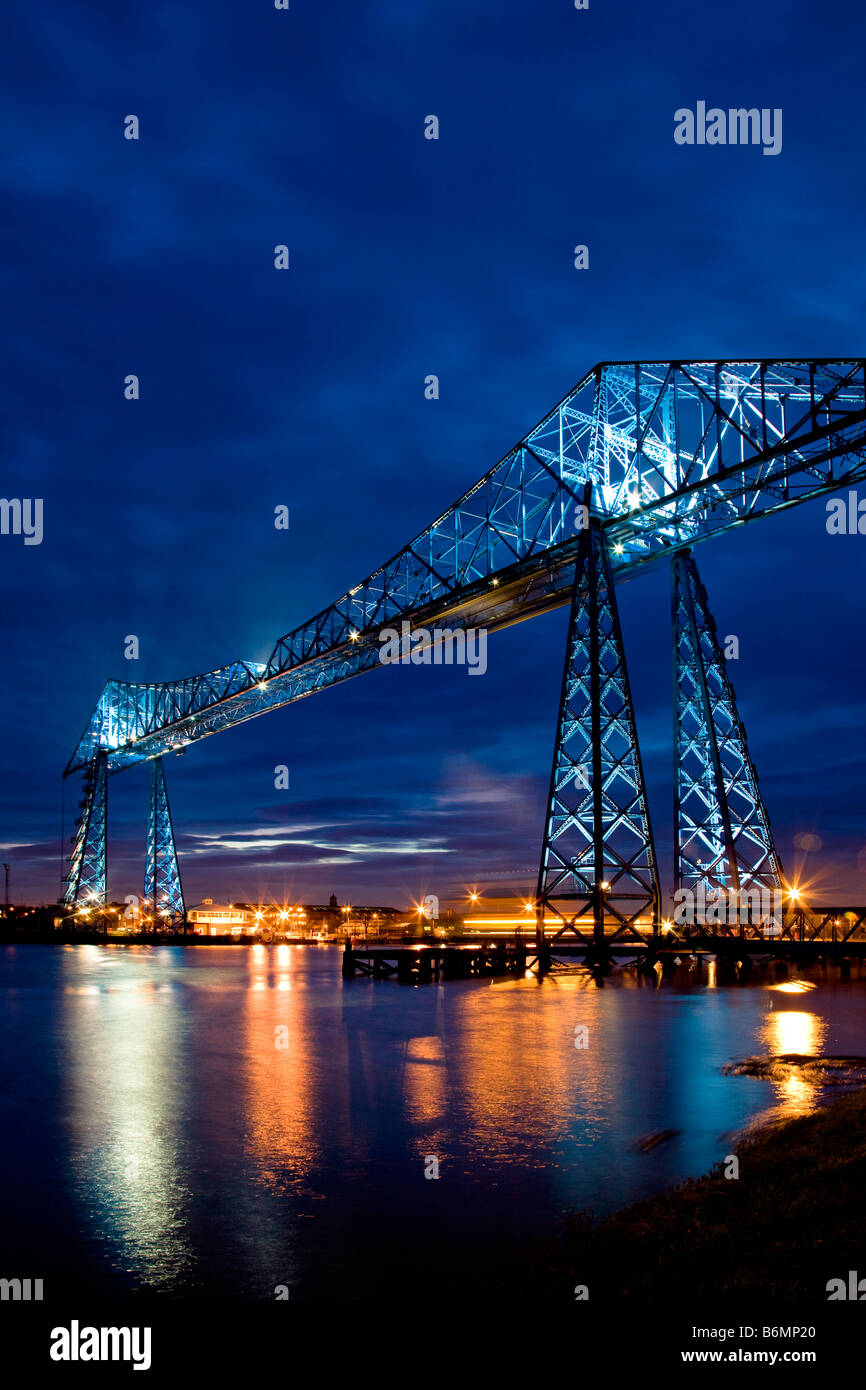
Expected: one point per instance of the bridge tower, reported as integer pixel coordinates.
(86, 878)
(597, 858)
(723, 835)
(162, 885)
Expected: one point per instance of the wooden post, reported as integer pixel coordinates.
(348, 960)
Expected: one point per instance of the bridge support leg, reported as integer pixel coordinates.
(724, 844)
(598, 859)
(86, 877)
(162, 886)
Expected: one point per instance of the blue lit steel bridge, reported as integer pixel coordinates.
(636, 466)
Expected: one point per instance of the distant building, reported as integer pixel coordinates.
(290, 921)
(223, 919)
(313, 921)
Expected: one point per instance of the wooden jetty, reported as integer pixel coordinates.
(411, 964)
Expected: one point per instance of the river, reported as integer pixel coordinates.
(229, 1121)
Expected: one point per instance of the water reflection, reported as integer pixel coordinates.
(229, 1111)
(277, 1075)
(522, 1087)
(126, 1097)
(786, 1031)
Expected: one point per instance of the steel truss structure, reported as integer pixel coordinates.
(724, 843)
(162, 887)
(597, 859)
(87, 873)
(674, 453)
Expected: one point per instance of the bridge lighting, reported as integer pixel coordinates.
(473, 897)
(604, 887)
(674, 411)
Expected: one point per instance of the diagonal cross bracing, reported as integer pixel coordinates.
(163, 893)
(597, 874)
(723, 835)
(86, 876)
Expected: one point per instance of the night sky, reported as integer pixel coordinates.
(306, 388)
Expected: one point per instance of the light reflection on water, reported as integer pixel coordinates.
(221, 1120)
(786, 1031)
(123, 1129)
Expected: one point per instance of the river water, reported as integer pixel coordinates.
(222, 1121)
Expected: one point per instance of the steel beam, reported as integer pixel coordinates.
(676, 452)
(597, 873)
(86, 877)
(724, 843)
(163, 892)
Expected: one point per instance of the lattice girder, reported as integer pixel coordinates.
(86, 876)
(597, 873)
(675, 452)
(163, 892)
(724, 841)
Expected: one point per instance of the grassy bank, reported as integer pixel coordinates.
(790, 1222)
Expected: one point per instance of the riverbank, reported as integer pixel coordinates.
(58, 937)
(787, 1225)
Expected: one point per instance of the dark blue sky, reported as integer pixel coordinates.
(408, 257)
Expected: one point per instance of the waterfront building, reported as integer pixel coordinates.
(223, 919)
(288, 921)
